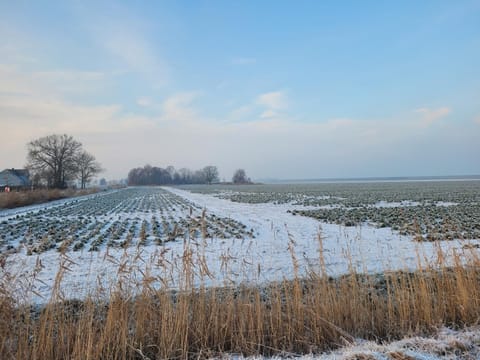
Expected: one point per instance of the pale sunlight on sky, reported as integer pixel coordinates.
(284, 89)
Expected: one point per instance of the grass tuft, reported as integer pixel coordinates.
(304, 315)
(23, 198)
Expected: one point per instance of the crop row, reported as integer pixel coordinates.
(428, 223)
(131, 217)
(433, 210)
(348, 194)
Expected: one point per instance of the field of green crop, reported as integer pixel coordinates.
(131, 217)
(427, 210)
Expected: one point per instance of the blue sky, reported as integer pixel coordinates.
(284, 89)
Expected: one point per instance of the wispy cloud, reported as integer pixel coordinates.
(273, 102)
(72, 76)
(30, 108)
(178, 107)
(64, 82)
(132, 48)
(429, 116)
(15, 43)
(289, 148)
(127, 40)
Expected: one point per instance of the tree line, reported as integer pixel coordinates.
(152, 175)
(56, 160)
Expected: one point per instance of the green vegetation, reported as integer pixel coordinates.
(429, 211)
(115, 219)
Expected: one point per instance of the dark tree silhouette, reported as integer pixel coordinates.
(240, 177)
(88, 167)
(57, 159)
(211, 174)
(53, 158)
(149, 175)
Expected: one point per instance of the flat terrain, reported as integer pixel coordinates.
(241, 234)
(429, 210)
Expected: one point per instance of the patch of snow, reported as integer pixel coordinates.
(281, 239)
(447, 344)
(404, 203)
(445, 203)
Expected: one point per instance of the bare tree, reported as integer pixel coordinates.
(88, 167)
(54, 157)
(185, 175)
(240, 177)
(171, 170)
(210, 173)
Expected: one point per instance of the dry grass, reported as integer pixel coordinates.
(23, 198)
(288, 317)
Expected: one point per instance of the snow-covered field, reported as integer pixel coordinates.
(148, 230)
(447, 344)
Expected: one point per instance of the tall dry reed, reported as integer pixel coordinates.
(29, 197)
(306, 314)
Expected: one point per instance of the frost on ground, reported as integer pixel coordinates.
(133, 237)
(252, 243)
(447, 344)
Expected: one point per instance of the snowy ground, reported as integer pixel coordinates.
(447, 344)
(267, 256)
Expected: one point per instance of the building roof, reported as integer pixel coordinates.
(14, 178)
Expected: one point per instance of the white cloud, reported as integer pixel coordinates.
(271, 146)
(132, 48)
(126, 38)
(429, 116)
(275, 100)
(12, 81)
(274, 103)
(35, 100)
(268, 114)
(72, 82)
(30, 108)
(73, 76)
(59, 83)
(178, 107)
(15, 43)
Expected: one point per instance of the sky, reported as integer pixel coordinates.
(283, 89)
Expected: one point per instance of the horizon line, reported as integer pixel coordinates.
(375, 178)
